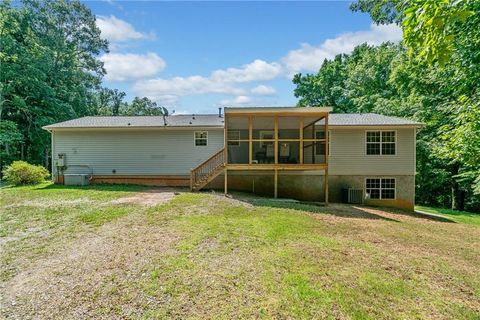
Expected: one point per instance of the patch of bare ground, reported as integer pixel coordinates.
(151, 197)
(86, 278)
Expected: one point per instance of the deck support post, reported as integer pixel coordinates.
(326, 187)
(226, 181)
(275, 188)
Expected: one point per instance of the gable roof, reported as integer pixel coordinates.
(202, 120)
(214, 121)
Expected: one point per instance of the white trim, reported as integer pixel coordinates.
(381, 155)
(195, 138)
(380, 188)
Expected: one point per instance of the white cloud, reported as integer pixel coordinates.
(237, 101)
(129, 66)
(258, 70)
(220, 81)
(310, 58)
(117, 30)
(231, 81)
(263, 90)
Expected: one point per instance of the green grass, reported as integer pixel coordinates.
(454, 215)
(205, 256)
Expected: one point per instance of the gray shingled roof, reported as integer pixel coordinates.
(368, 119)
(203, 120)
(211, 120)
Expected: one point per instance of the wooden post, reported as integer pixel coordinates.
(275, 189)
(275, 146)
(327, 140)
(301, 140)
(326, 186)
(250, 137)
(327, 152)
(225, 141)
(226, 181)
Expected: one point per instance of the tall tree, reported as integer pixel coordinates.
(49, 67)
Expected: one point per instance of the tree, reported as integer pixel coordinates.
(49, 67)
(142, 107)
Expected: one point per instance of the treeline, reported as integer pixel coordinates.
(433, 77)
(50, 72)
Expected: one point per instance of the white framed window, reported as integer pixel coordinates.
(381, 142)
(380, 188)
(233, 138)
(201, 138)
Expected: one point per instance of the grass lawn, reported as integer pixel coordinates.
(79, 253)
(457, 216)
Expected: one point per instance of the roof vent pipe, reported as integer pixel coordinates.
(219, 112)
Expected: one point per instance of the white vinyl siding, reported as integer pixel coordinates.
(135, 152)
(348, 155)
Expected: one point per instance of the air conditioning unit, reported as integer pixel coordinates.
(352, 195)
(76, 179)
(355, 196)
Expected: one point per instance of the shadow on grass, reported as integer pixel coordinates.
(339, 210)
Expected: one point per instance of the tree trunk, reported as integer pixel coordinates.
(458, 195)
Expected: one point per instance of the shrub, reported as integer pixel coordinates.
(21, 173)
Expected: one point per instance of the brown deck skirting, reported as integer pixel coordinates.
(167, 181)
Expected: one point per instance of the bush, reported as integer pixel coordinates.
(21, 173)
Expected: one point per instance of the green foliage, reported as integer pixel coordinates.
(24, 173)
(49, 67)
(381, 11)
(430, 27)
(142, 107)
(10, 139)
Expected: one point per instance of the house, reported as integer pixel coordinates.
(303, 153)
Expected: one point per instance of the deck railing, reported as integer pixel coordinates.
(207, 170)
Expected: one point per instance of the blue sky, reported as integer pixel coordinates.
(194, 57)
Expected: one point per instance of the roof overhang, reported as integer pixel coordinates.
(162, 128)
(277, 110)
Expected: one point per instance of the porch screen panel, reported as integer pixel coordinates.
(314, 140)
(263, 130)
(237, 140)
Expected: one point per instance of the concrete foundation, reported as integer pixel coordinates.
(302, 186)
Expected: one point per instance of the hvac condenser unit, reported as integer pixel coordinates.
(351, 195)
(76, 179)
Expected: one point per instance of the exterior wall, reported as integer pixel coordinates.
(348, 153)
(310, 186)
(165, 157)
(134, 152)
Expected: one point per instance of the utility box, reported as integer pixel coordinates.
(76, 179)
(60, 162)
(351, 195)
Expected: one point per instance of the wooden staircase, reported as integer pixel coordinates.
(206, 171)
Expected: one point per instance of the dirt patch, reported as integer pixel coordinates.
(148, 198)
(89, 275)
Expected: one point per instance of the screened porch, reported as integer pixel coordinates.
(276, 138)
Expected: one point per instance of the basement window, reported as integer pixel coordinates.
(380, 188)
(201, 138)
(381, 142)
